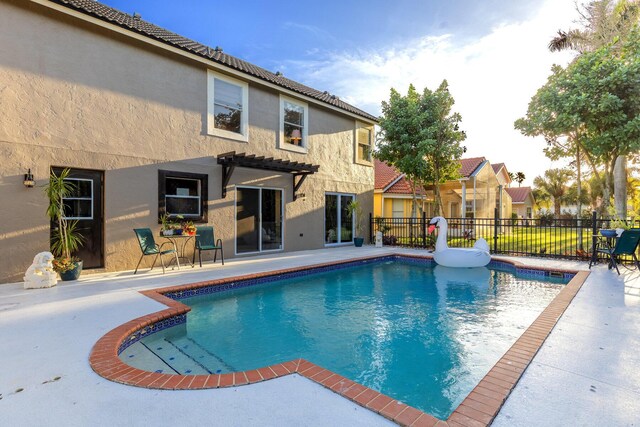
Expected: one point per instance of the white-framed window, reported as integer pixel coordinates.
(364, 143)
(182, 194)
(294, 123)
(79, 204)
(227, 107)
(338, 224)
(529, 212)
(397, 208)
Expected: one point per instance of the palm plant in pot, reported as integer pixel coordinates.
(354, 210)
(65, 238)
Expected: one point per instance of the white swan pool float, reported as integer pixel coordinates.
(477, 256)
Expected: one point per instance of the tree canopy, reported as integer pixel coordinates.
(420, 136)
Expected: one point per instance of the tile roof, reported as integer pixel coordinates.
(496, 167)
(518, 194)
(137, 25)
(468, 166)
(384, 174)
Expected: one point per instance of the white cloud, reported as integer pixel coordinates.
(492, 80)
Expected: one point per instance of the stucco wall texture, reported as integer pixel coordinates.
(75, 95)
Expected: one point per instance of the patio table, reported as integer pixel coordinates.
(180, 242)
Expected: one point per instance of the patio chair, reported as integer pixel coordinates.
(626, 244)
(148, 246)
(205, 241)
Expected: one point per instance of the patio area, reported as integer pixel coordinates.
(585, 373)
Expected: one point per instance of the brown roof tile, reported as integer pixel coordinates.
(468, 166)
(518, 194)
(496, 167)
(384, 174)
(403, 186)
(137, 25)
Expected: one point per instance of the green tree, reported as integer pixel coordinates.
(420, 137)
(519, 178)
(555, 183)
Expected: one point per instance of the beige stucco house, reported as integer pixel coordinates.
(148, 122)
(523, 201)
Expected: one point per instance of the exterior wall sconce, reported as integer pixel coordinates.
(29, 182)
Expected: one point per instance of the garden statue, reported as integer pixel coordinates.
(378, 239)
(41, 274)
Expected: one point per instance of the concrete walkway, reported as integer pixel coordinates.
(590, 359)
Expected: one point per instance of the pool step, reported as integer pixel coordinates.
(199, 355)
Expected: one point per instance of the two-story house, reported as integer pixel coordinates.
(153, 123)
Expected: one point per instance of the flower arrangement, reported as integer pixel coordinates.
(188, 228)
(62, 265)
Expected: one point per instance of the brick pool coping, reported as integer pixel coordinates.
(479, 408)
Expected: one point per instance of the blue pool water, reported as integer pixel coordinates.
(422, 335)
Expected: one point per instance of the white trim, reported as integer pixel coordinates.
(80, 218)
(339, 225)
(304, 147)
(244, 116)
(235, 220)
(393, 182)
(479, 168)
(209, 63)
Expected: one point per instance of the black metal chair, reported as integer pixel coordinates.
(205, 241)
(626, 244)
(148, 246)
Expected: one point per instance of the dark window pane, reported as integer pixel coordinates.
(182, 206)
(364, 152)
(293, 114)
(346, 234)
(247, 220)
(74, 208)
(331, 218)
(80, 188)
(182, 187)
(271, 219)
(227, 94)
(227, 119)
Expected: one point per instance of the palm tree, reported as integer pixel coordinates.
(555, 183)
(519, 178)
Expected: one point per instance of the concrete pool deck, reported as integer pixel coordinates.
(585, 373)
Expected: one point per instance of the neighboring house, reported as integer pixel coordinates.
(478, 191)
(149, 121)
(522, 201)
(392, 196)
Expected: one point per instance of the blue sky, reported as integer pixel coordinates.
(493, 53)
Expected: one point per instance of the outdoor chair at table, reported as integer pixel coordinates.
(205, 241)
(148, 246)
(626, 244)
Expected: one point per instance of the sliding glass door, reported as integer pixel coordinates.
(338, 224)
(258, 219)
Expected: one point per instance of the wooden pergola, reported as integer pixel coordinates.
(229, 161)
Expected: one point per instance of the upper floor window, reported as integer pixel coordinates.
(227, 107)
(364, 143)
(294, 120)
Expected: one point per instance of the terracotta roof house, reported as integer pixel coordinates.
(392, 196)
(152, 123)
(522, 200)
(478, 191)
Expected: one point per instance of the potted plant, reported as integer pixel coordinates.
(188, 228)
(65, 239)
(166, 227)
(354, 210)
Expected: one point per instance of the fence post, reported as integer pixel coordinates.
(594, 236)
(370, 228)
(424, 229)
(496, 218)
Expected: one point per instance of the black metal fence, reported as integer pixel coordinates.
(545, 237)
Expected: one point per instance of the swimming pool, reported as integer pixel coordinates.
(425, 336)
